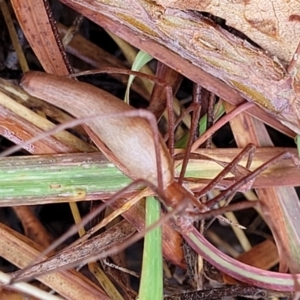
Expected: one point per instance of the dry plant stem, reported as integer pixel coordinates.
(72, 31)
(74, 229)
(113, 215)
(279, 37)
(194, 126)
(171, 130)
(238, 171)
(14, 36)
(198, 99)
(251, 275)
(33, 227)
(210, 116)
(18, 95)
(58, 128)
(274, 172)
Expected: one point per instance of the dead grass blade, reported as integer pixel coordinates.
(33, 18)
(70, 284)
(272, 199)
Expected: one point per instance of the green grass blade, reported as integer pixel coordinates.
(59, 178)
(40, 179)
(151, 286)
(141, 60)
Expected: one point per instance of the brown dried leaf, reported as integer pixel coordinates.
(33, 19)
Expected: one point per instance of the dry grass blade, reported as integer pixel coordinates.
(21, 251)
(14, 36)
(21, 290)
(78, 254)
(11, 99)
(214, 159)
(34, 17)
(275, 209)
